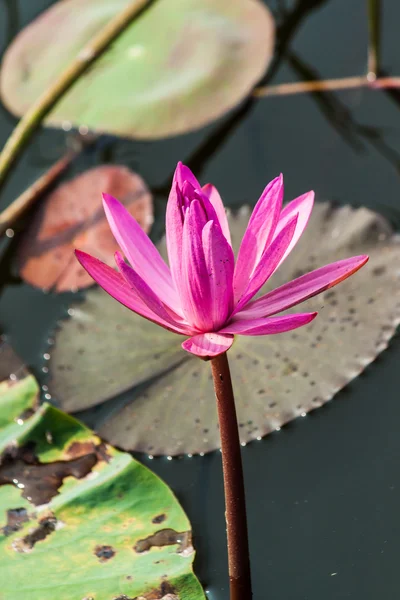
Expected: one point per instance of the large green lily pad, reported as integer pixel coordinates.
(276, 378)
(178, 66)
(80, 520)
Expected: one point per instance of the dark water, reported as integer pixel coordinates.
(323, 493)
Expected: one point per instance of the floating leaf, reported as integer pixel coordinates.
(10, 364)
(105, 349)
(79, 519)
(276, 378)
(180, 65)
(73, 217)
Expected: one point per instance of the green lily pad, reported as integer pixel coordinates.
(79, 519)
(276, 378)
(178, 66)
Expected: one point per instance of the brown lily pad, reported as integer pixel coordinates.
(72, 217)
(276, 378)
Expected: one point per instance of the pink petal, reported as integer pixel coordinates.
(174, 233)
(302, 288)
(213, 195)
(269, 262)
(194, 287)
(146, 294)
(208, 344)
(301, 206)
(259, 233)
(182, 174)
(189, 194)
(140, 251)
(269, 326)
(220, 263)
(115, 285)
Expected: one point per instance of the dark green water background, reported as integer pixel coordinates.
(323, 493)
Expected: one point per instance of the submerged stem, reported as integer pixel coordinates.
(235, 504)
(374, 14)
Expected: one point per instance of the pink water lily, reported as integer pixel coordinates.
(205, 294)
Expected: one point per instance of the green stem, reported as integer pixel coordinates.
(33, 192)
(36, 113)
(235, 502)
(374, 14)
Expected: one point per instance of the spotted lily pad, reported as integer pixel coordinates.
(72, 217)
(276, 378)
(180, 65)
(78, 519)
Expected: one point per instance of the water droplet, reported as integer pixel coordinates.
(13, 377)
(46, 356)
(66, 126)
(47, 396)
(83, 129)
(45, 388)
(277, 428)
(150, 457)
(71, 312)
(45, 369)
(169, 457)
(10, 232)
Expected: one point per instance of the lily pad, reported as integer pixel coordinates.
(11, 366)
(276, 378)
(178, 66)
(79, 519)
(72, 216)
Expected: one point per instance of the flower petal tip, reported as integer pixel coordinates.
(119, 258)
(109, 200)
(82, 257)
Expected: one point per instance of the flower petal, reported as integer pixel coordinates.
(208, 344)
(269, 262)
(182, 174)
(174, 233)
(259, 233)
(301, 206)
(140, 251)
(194, 287)
(146, 294)
(115, 285)
(213, 195)
(269, 326)
(302, 288)
(220, 263)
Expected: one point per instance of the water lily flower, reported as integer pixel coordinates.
(205, 294)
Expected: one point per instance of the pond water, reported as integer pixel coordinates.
(323, 493)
